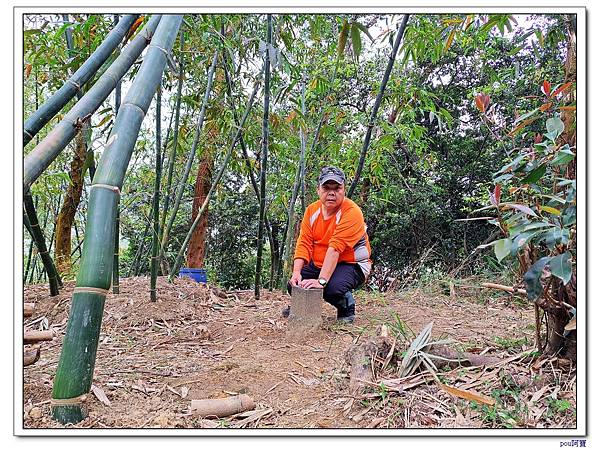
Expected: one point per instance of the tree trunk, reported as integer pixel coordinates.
(66, 217)
(559, 341)
(197, 248)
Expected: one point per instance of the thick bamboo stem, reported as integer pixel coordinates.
(74, 84)
(75, 371)
(38, 237)
(50, 147)
(222, 407)
(371, 124)
(263, 164)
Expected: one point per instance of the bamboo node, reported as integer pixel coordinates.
(160, 48)
(68, 401)
(74, 84)
(107, 186)
(94, 290)
(28, 134)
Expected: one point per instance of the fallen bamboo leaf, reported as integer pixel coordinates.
(467, 395)
(254, 417)
(184, 391)
(100, 395)
(376, 422)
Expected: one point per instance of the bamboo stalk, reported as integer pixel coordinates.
(73, 378)
(74, 84)
(50, 147)
(386, 76)
(115, 271)
(263, 165)
(155, 205)
(31, 337)
(30, 218)
(167, 198)
(190, 160)
(214, 184)
(290, 223)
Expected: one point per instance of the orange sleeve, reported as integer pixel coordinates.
(349, 231)
(304, 245)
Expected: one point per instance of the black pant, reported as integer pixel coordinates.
(344, 278)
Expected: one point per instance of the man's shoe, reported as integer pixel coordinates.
(346, 315)
(286, 312)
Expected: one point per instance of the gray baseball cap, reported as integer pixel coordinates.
(330, 173)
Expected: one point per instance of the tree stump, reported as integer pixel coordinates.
(305, 312)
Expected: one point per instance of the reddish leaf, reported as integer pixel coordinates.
(562, 88)
(497, 194)
(27, 70)
(546, 87)
(567, 108)
(538, 138)
(545, 106)
(479, 103)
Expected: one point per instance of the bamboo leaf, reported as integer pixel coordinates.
(356, 40)
(342, 39)
(550, 210)
(449, 40)
(535, 174)
(365, 30)
(467, 395)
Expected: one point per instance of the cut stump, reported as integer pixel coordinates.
(305, 312)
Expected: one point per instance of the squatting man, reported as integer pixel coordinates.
(333, 250)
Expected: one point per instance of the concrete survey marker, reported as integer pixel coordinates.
(305, 312)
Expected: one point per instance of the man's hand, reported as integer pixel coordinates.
(296, 279)
(310, 284)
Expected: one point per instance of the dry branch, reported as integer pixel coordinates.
(501, 287)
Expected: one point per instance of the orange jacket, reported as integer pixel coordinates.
(345, 232)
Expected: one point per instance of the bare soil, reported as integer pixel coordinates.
(199, 342)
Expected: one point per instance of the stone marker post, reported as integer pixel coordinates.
(305, 312)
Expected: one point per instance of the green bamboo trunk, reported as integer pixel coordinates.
(216, 180)
(38, 237)
(74, 84)
(73, 378)
(263, 165)
(115, 273)
(50, 147)
(155, 204)
(371, 124)
(190, 160)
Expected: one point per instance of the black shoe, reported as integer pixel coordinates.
(286, 312)
(346, 315)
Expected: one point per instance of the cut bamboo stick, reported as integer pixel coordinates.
(504, 288)
(31, 356)
(28, 309)
(222, 407)
(31, 337)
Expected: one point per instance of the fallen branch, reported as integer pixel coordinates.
(501, 287)
(222, 407)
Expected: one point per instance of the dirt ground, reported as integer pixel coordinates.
(197, 342)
